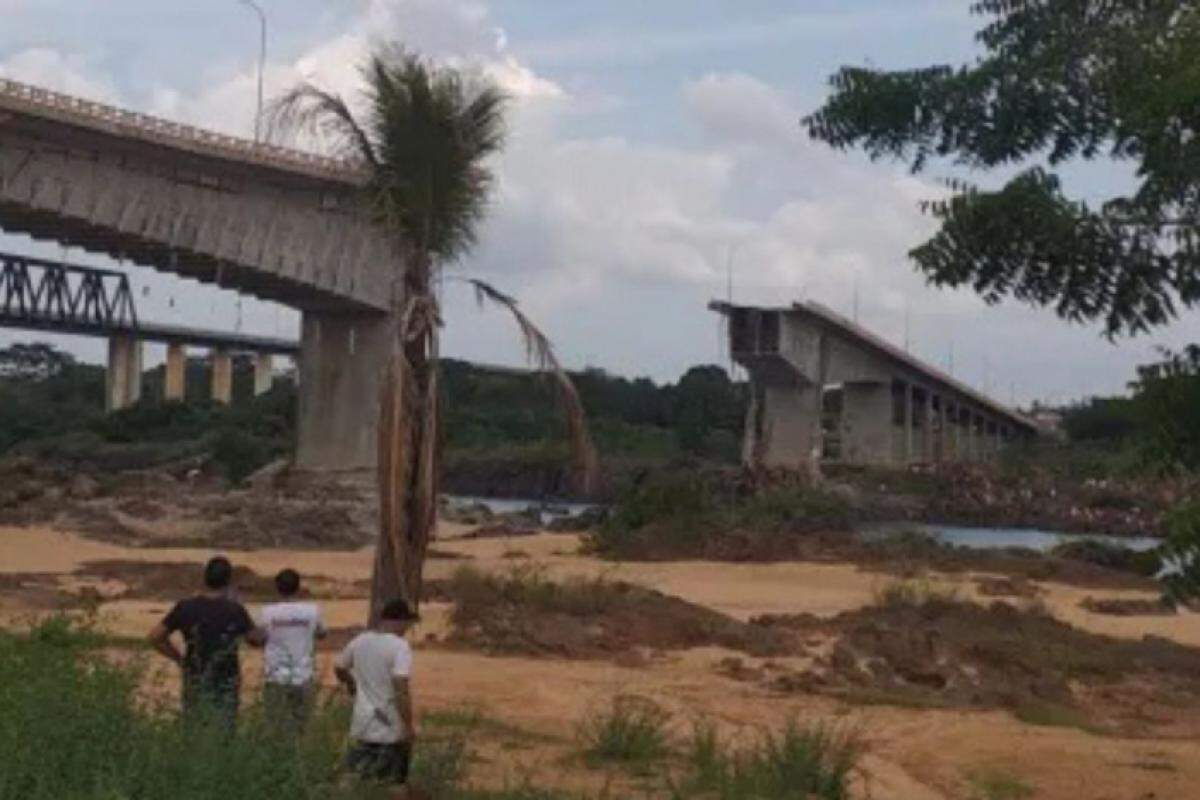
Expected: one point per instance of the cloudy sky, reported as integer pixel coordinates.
(654, 153)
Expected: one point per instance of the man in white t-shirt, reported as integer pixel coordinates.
(288, 665)
(375, 667)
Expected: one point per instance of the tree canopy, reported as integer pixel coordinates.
(1059, 80)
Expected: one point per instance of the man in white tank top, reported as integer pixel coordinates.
(288, 662)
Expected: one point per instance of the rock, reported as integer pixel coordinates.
(270, 476)
(83, 488)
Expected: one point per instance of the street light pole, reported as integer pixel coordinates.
(262, 60)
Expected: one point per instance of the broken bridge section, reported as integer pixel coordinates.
(824, 389)
(274, 223)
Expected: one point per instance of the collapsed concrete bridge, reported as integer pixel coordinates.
(827, 390)
(271, 222)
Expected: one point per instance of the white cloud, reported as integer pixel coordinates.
(51, 69)
(614, 244)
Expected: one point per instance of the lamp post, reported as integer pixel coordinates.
(262, 60)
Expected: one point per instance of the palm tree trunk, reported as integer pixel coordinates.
(409, 445)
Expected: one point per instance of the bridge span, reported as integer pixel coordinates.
(827, 390)
(267, 221)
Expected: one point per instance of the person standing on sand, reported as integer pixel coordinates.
(291, 627)
(212, 623)
(375, 668)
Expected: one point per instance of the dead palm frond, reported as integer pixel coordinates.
(540, 353)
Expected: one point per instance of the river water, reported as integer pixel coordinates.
(1029, 538)
(957, 535)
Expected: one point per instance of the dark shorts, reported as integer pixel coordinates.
(286, 705)
(386, 763)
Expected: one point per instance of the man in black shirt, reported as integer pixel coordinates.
(212, 624)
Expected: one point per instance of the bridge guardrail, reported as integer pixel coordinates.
(176, 132)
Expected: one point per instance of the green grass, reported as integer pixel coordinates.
(997, 784)
(915, 592)
(814, 762)
(73, 726)
(631, 731)
(1053, 715)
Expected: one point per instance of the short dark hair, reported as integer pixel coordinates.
(218, 572)
(397, 610)
(287, 582)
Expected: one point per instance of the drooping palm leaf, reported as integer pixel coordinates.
(540, 352)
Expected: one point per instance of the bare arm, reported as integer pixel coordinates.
(160, 640)
(404, 707)
(345, 678)
(256, 637)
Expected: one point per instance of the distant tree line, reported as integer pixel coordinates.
(46, 394)
(1159, 419)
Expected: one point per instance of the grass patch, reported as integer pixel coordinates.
(997, 784)
(1054, 715)
(916, 592)
(631, 731)
(799, 762)
(719, 515)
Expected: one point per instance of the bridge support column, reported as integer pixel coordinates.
(264, 373)
(123, 380)
(222, 376)
(866, 423)
(342, 358)
(175, 379)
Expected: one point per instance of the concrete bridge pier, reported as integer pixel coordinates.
(264, 373)
(866, 423)
(175, 378)
(222, 376)
(342, 359)
(123, 379)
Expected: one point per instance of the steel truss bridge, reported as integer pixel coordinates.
(36, 294)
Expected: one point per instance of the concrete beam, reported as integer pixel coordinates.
(123, 379)
(264, 373)
(222, 377)
(175, 380)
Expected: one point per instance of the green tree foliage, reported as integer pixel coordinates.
(708, 413)
(1182, 550)
(43, 391)
(1102, 419)
(1167, 395)
(1059, 80)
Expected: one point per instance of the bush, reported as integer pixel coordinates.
(797, 763)
(1182, 552)
(685, 513)
(72, 726)
(1147, 563)
(631, 732)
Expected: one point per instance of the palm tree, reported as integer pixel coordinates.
(423, 140)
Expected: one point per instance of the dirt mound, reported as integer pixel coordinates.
(1125, 607)
(951, 653)
(524, 613)
(169, 580)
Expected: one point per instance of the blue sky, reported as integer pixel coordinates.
(653, 145)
